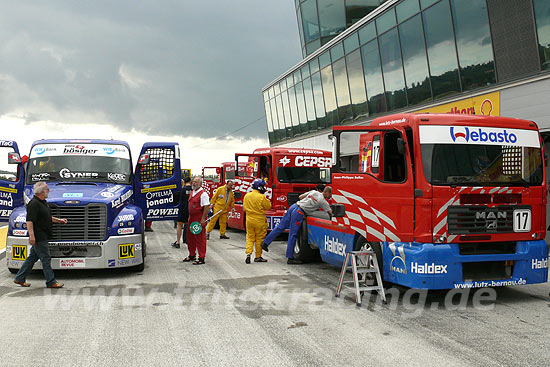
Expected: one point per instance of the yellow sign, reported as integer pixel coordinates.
(126, 251)
(486, 104)
(19, 252)
(160, 188)
(8, 189)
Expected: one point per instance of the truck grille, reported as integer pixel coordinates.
(481, 219)
(87, 222)
(293, 197)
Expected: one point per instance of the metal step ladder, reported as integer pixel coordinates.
(361, 264)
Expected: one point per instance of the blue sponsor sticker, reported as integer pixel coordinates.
(73, 195)
(111, 263)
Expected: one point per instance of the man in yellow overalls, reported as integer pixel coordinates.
(222, 201)
(255, 204)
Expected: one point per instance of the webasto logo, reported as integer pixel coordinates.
(479, 135)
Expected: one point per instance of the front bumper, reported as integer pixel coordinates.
(115, 252)
(441, 266)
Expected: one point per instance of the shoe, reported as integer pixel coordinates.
(22, 284)
(199, 261)
(260, 260)
(207, 236)
(56, 285)
(148, 229)
(265, 247)
(294, 261)
(223, 237)
(189, 258)
(247, 261)
(176, 245)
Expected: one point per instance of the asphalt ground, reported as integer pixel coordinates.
(229, 313)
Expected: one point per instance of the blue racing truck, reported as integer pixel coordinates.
(92, 184)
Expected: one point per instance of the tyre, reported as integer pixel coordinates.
(13, 270)
(302, 249)
(362, 244)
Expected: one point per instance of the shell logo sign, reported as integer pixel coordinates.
(486, 104)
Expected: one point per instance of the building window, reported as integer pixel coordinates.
(342, 91)
(269, 123)
(286, 111)
(301, 108)
(274, 120)
(330, 96)
(310, 105)
(392, 67)
(542, 14)
(406, 9)
(414, 60)
(441, 50)
(473, 41)
(332, 17)
(373, 77)
(319, 102)
(294, 111)
(309, 20)
(357, 85)
(281, 116)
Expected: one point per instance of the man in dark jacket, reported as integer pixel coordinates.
(39, 226)
(183, 212)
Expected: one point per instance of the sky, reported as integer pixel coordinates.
(185, 71)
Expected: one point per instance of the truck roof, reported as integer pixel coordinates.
(412, 119)
(80, 141)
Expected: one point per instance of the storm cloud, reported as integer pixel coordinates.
(191, 68)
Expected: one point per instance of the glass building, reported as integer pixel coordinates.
(319, 21)
(466, 56)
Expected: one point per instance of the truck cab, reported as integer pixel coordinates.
(94, 186)
(288, 172)
(445, 201)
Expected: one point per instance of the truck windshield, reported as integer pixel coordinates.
(79, 163)
(482, 165)
(303, 174)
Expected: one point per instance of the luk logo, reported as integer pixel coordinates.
(482, 136)
(126, 251)
(19, 252)
(539, 264)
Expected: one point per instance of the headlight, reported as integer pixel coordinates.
(129, 223)
(24, 225)
(16, 225)
(121, 224)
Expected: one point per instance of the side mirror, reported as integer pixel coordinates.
(143, 159)
(401, 145)
(237, 194)
(14, 158)
(332, 138)
(338, 210)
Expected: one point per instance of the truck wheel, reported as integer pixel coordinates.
(362, 244)
(302, 249)
(13, 270)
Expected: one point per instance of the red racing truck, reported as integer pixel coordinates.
(288, 172)
(445, 201)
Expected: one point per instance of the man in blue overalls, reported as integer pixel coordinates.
(309, 202)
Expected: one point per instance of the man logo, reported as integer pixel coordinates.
(460, 134)
(19, 253)
(126, 251)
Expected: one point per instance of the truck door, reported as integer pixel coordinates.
(211, 179)
(157, 182)
(12, 178)
(250, 167)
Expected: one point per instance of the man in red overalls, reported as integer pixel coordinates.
(199, 204)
